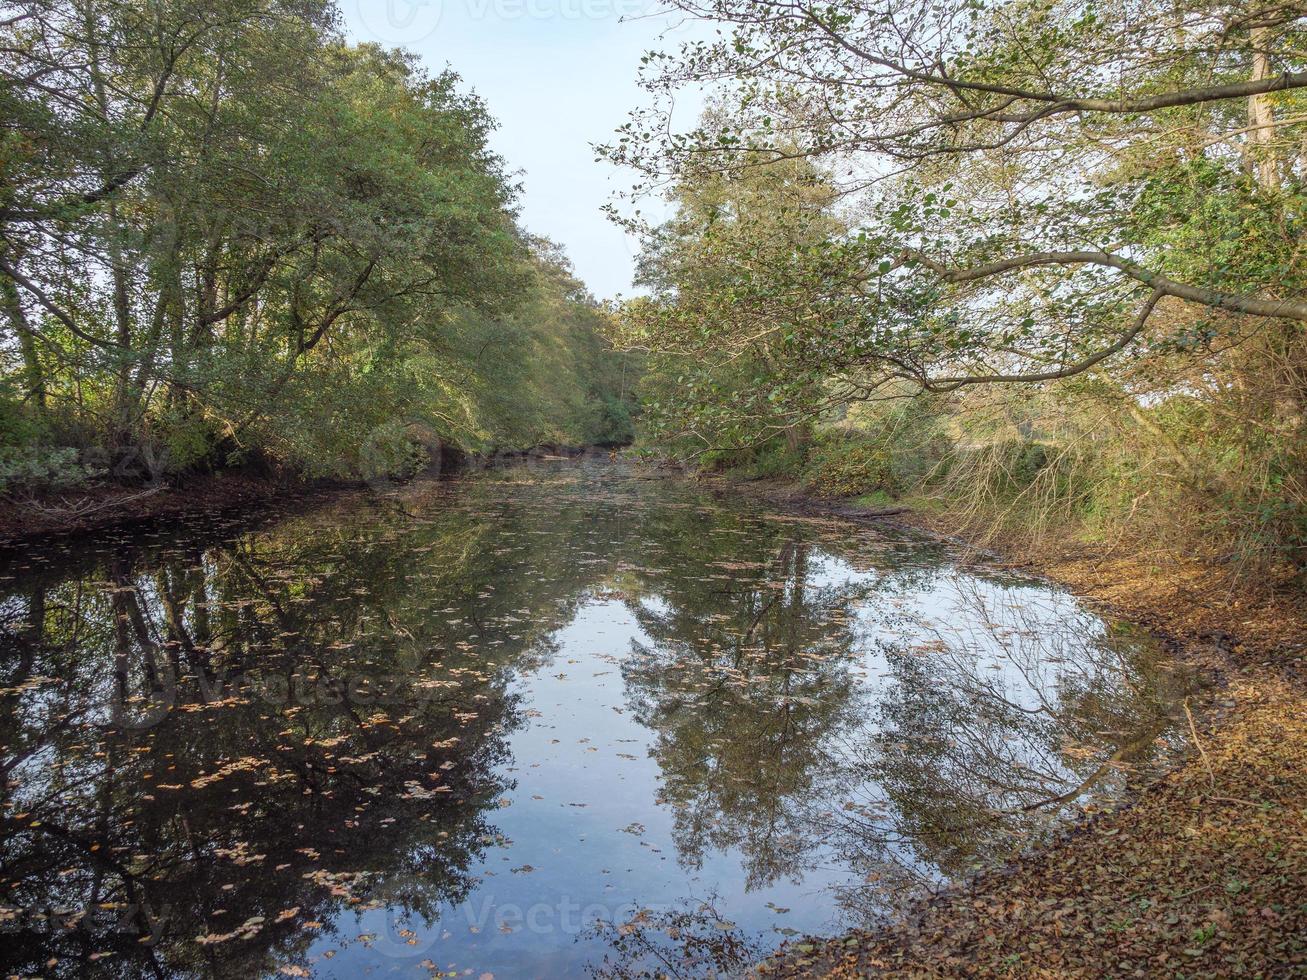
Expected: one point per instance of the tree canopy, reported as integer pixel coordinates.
(226, 232)
(970, 195)
(1023, 184)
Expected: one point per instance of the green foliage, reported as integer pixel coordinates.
(847, 467)
(391, 451)
(773, 459)
(1060, 231)
(612, 423)
(29, 468)
(287, 247)
(188, 439)
(17, 425)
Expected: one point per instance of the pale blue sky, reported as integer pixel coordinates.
(559, 75)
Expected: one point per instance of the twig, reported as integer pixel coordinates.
(1211, 775)
(73, 513)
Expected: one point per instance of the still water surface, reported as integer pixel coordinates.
(561, 720)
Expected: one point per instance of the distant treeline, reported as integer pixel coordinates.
(227, 236)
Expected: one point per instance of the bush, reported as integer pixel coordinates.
(778, 458)
(188, 441)
(614, 426)
(843, 466)
(1004, 469)
(36, 468)
(18, 427)
(391, 452)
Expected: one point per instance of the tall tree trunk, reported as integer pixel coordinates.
(124, 405)
(1261, 115)
(33, 372)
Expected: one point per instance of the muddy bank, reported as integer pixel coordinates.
(107, 507)
(110, 506)
(1204, 872)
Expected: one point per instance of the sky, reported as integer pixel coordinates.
(559, 76)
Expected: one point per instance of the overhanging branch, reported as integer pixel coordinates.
(53, 308)
(1252, 305)
(944, 385)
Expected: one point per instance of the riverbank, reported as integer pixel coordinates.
(544, 635)
(108, 507)
(1204, 873)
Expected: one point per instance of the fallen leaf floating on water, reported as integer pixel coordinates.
(247, 930)
(712, 683)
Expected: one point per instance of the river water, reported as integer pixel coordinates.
(558, 720)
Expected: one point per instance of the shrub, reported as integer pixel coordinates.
(188, 440)
(36, 468)
(18, 427)
(844, 466)
(391, 452)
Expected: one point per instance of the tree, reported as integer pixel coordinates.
(224, 233)
(731, 278)
(1016, 173)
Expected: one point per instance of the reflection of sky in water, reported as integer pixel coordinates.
(581, 819)
(681, 706)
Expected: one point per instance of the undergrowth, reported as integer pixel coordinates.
(1088, 462)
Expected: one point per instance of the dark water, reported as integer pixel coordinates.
(543, 722)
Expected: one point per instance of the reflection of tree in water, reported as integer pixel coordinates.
(803, 711)
(747, 687)
(995, 720)
(331, 744)
(989, 718)
(691, 941)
